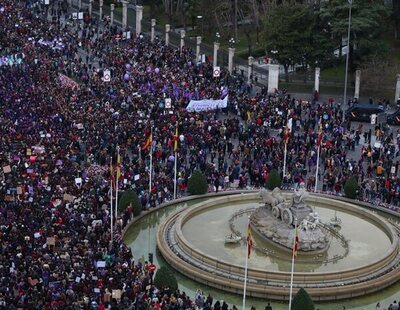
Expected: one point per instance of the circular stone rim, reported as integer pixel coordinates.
(279, 290)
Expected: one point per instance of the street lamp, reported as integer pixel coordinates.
(274, 52)
(232, 42)
(217, 37)
(200, 17)
(347, 62)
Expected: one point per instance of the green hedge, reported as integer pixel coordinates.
(165, 279)
(351, 188)
(197, 184)
(274, 180)
(130, 197)
(302, 301)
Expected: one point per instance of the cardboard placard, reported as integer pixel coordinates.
(51, 241)
(68, 197)
(7, 169)
(116, 294)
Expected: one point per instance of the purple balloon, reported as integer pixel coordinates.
(128, 66)
(157, 70)
(148, 69)
(127, 76)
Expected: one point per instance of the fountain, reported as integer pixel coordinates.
(332, 264)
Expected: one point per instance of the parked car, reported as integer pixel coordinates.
(362, 112)
(394, 118)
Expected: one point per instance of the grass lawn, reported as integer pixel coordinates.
(334, 72)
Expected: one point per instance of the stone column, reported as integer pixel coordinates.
(231, 53)
(90, 7)
(153, 24)
(139, 17)
(316, 81)
(198, 42)
(183, 35)
(167, 30)
(357, 85)
(215, 56)
(273, 78)
(397, 95)
(79, 4)
(112, 7)
(124, 14)
(101, 9)
(250, 69)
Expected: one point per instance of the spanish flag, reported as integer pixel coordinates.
(249, 241)
(296, 243)
(319, 140)
(288, 129)
(148, 142)
(118, 166)
(176, 137)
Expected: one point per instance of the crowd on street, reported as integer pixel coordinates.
(61, 124)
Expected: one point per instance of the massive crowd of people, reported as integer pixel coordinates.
(61, 125)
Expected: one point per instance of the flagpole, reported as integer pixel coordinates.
(316, 170)
(176, 158)
(151, 162)
(111, 208)
(245, 271)
(111, 190)
(319, 140)
(292, 272)
(116, 185)
(284, 158)
(175, 173)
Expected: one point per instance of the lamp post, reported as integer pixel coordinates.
(274, 52)
(347, 62)
(200, 18)
(231, 53)
(231, 42)
(216, 48)
(217, 37)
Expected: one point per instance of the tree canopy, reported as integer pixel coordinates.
(367, 26)
(296, 35)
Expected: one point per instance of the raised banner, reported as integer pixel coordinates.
(206, 105)
(65, 81)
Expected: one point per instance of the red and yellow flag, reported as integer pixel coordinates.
(249, 241)
(148, 142)
(296, 243)
(112, 174)
(288, 129)
(118, 166)
(176, 137)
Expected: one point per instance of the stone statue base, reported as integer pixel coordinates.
(270, 229)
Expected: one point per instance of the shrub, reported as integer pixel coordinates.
(130, 197)
(302, 301)
(197, 184)
(165, 278)
(274, 180)
(351, 188)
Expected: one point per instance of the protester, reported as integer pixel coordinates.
(61, 125)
